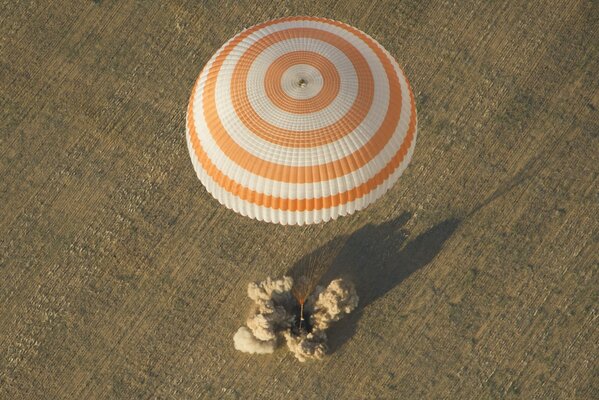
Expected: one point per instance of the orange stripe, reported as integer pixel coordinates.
(285, 137)
(307, 174)
(328, 92)
(279, 203)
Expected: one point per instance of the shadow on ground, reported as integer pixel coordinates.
(376, 258)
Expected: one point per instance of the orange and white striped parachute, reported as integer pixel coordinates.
(299, 120)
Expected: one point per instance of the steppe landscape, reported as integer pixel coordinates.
(122, 278)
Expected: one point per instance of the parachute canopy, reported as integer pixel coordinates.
(299, 120)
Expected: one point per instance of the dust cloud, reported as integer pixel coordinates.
(279, 316)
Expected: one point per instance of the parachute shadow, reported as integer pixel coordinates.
(376, 260)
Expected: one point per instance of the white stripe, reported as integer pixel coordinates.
(301, 82)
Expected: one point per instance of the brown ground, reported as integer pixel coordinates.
(120, 277)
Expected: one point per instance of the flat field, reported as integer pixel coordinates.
(122, 278)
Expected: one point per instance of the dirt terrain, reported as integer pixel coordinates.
(122, 278)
